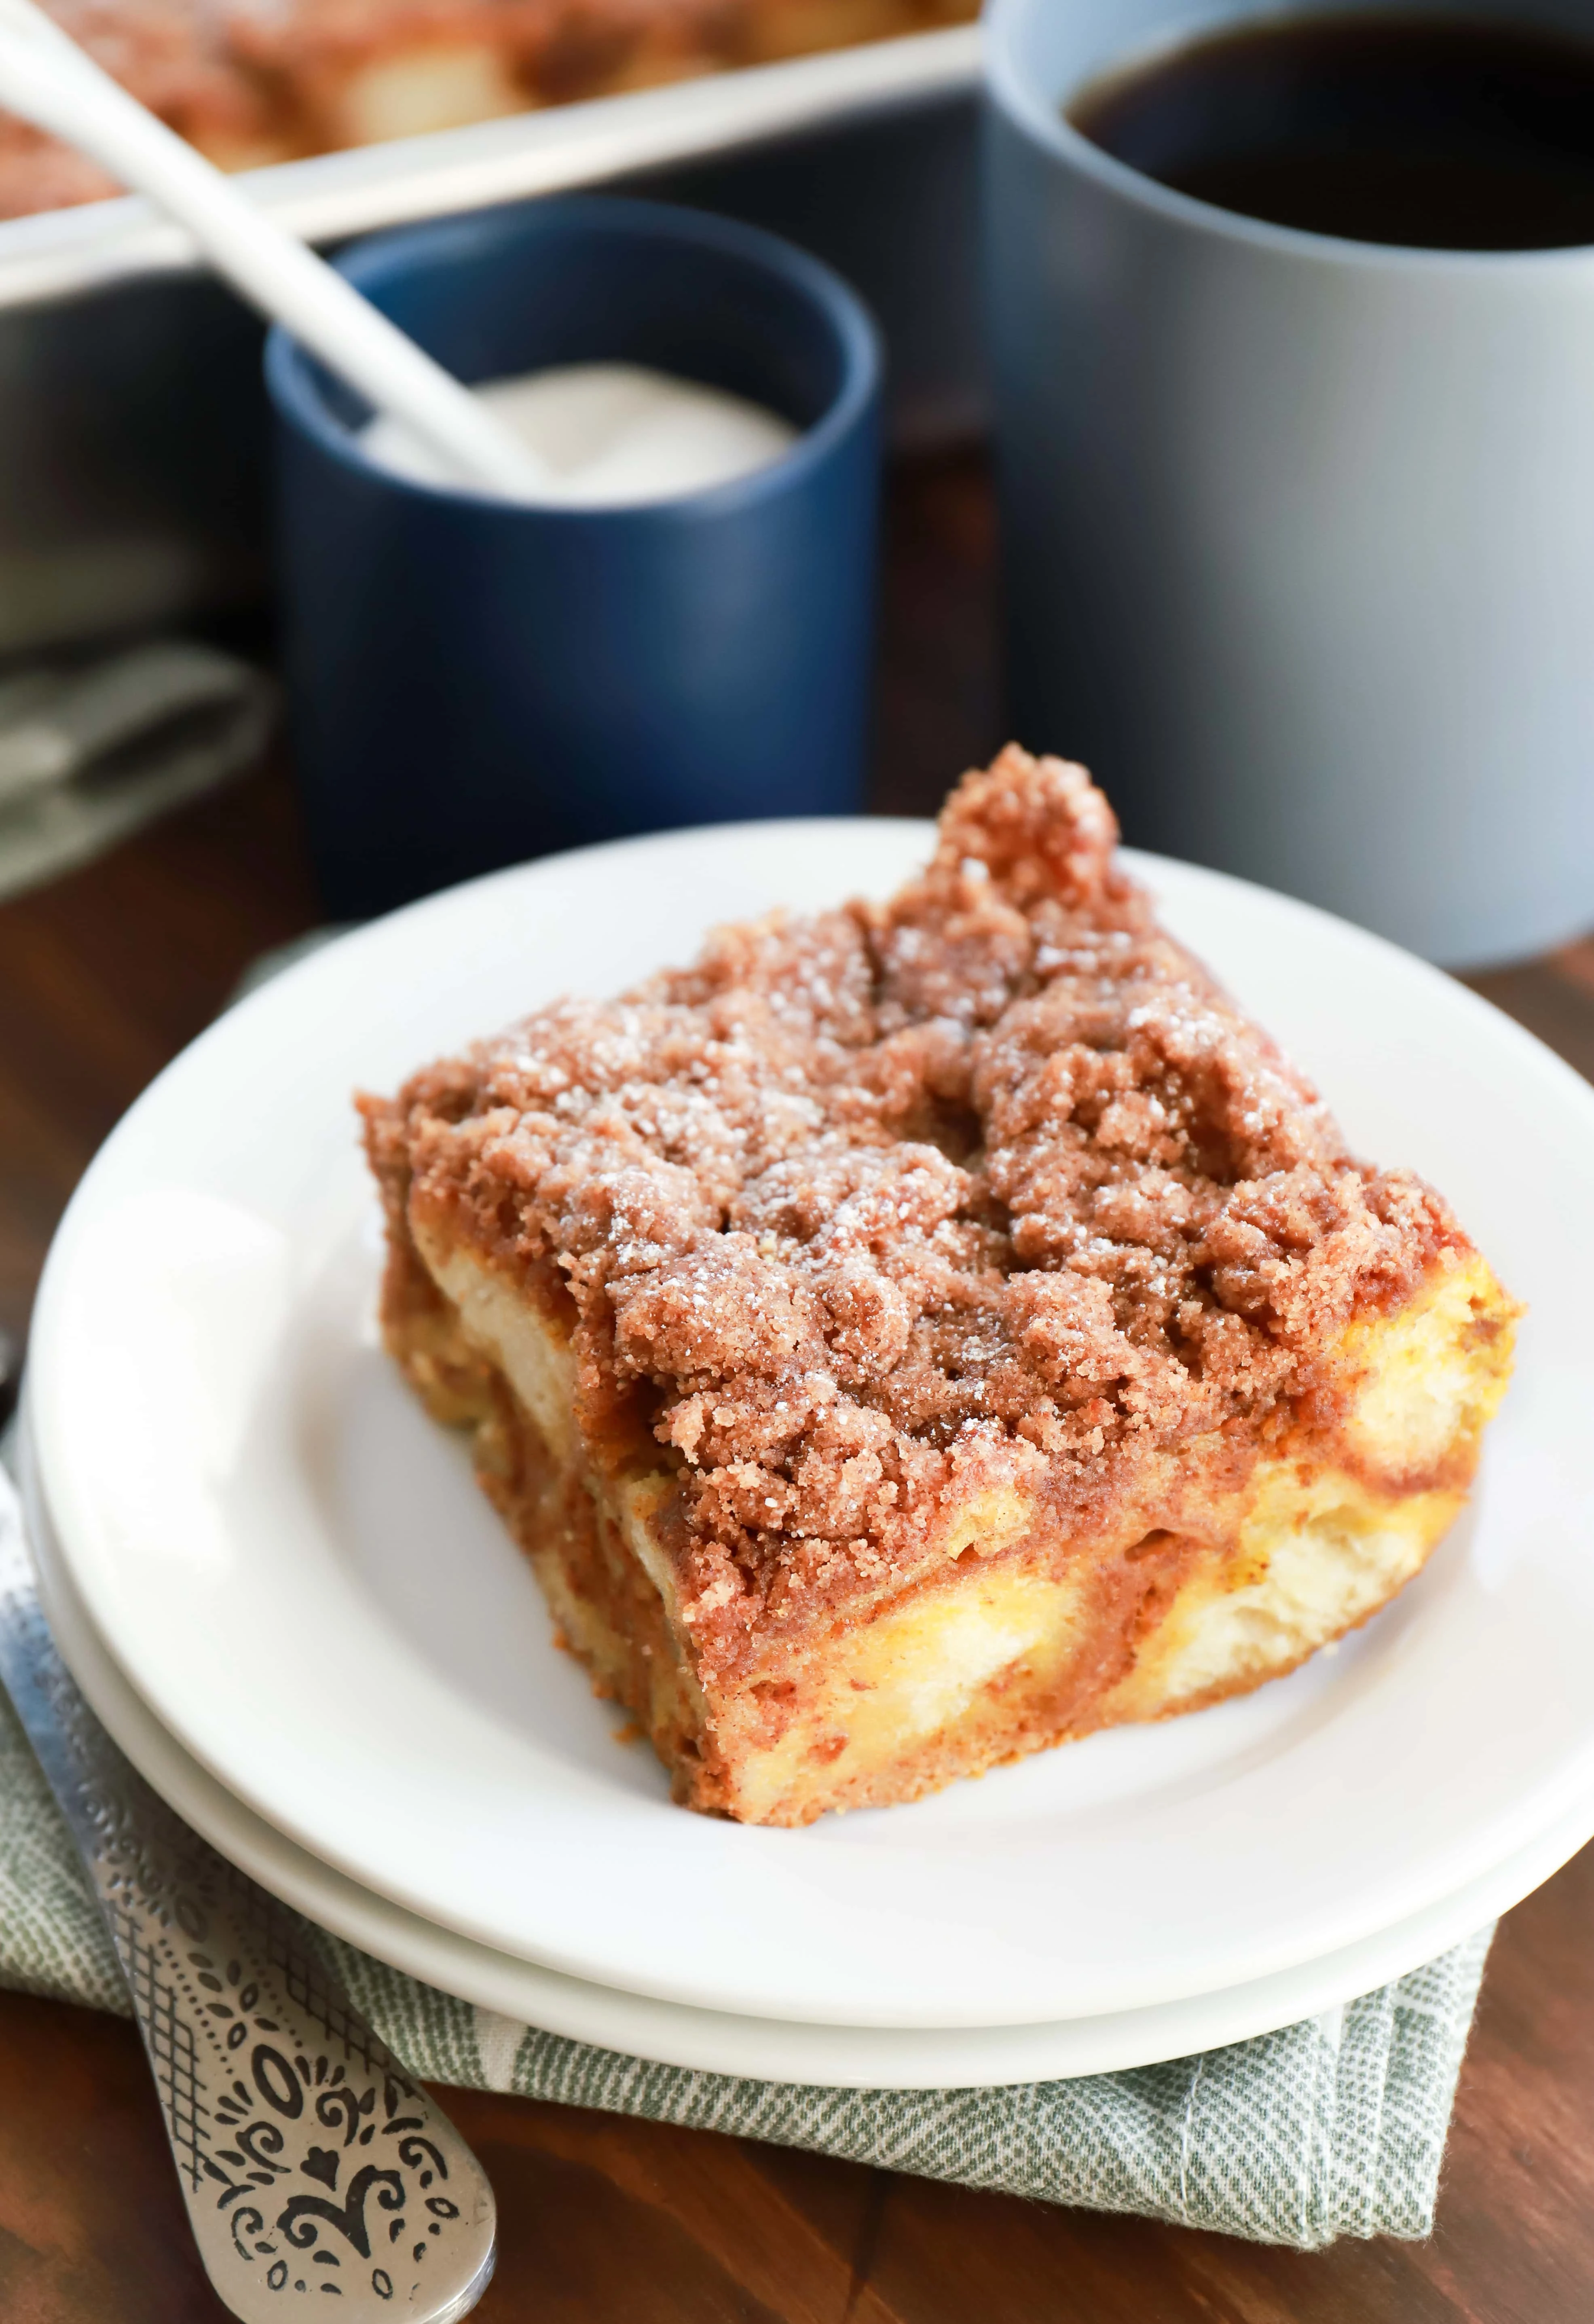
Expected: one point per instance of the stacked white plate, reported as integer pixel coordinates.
(277, 1583)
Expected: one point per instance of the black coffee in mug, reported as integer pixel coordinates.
(1439, 132)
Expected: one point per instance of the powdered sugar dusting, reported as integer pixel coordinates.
(865, 1214)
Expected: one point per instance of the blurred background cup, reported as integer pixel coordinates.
(1298, 532)
(473, 682)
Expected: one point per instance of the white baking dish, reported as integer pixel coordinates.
(62, 253)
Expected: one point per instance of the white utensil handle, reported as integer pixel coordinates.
(50, 82)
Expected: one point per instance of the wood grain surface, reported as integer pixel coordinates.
(103, 977)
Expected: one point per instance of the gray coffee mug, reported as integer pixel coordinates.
(1298, 532)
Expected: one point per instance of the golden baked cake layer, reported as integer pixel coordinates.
(917, 1334)
(254, 81)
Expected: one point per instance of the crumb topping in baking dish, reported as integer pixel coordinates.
(252, 82)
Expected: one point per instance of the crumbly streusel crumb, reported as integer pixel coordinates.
(864, 1214)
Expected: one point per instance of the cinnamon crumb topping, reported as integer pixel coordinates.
(867, 1214)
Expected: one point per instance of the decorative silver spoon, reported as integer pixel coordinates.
(312, 2165)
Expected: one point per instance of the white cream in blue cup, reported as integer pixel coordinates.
(1298, 532)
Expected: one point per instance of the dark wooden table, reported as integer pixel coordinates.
(103, 976)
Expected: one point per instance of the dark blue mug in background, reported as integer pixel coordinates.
(471, 681)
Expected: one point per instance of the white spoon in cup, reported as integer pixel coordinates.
(49, 81)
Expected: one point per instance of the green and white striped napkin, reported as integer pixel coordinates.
(1333, 2127)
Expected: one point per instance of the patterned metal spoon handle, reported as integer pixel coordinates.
(311, 2165)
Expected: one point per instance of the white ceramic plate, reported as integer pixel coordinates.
(713, 2041)
(291, 1564)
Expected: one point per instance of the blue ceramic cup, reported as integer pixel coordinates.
(473, 682)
